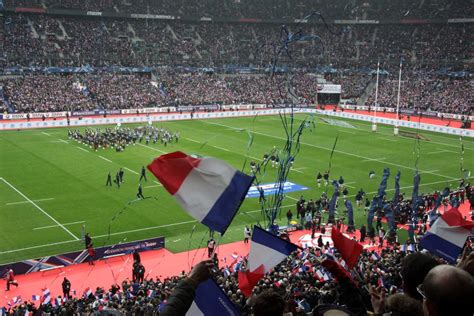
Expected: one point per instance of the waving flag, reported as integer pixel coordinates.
(332, 202)
(46, 297)
(211, 300)
(210, 190)
(447, 236)
(415, 203)
(350, 250)
(350, 213)
(266, 251)
(87, 292)
(377, 201)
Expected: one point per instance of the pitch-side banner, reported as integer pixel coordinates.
(67, 259)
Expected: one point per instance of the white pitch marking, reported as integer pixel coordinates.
(158, 183)
(132, 171)
(192, 140)
(146, 146)
(63, 141)
(39, 208)
(82, 149)
(45, 133)
(152, 186)
(296, 170)
(337, 151)
(437, 152)
(24, 202)
(374, 159)
(108, 160)
(387, 139)
(224, 149)
(52, 226)
(118, 233)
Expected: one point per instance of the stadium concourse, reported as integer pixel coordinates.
(159, 264)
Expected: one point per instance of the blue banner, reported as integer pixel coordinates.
(272, 188)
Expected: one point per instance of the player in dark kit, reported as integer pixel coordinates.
(140, 192)
(318, 179)
(121, 175)
(143, 174)
(326, 178)
(117, 179)
(109, 180)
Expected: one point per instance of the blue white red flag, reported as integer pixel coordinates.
(210, 300)
(447, 236)
(268, 250)
(46, 297)
(210, 190)
(35, 298)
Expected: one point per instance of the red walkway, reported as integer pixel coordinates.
(158, 263)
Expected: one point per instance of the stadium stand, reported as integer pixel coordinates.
(345, 54)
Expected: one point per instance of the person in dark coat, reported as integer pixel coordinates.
(66, 285)
(363, 233)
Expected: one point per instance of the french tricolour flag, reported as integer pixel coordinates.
(268, 250)
(35, 298)
(210, 190)
(46, 297)
(210, 300)
(447, 235)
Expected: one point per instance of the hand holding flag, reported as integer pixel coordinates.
(349, 249)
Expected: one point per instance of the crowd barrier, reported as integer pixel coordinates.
(145, 118)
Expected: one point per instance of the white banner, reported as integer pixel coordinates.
(329, 88)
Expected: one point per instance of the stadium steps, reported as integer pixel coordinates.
(65, 35)
(368, 91)
(33, 30)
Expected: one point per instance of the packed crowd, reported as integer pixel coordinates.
(72, 41)
(422, 91)
(120, 138)
(114, 91)
(302, 281)
(270, 9)
(80, 92)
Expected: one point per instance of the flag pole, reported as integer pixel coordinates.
(374, 123)
(397, 122)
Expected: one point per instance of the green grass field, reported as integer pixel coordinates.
(51, 185)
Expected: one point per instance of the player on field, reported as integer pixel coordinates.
(143, 174)
(140, 191)
(109, 180)
(319, 177)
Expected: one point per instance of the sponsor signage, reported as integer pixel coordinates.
(67, 259)
(272, 188)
